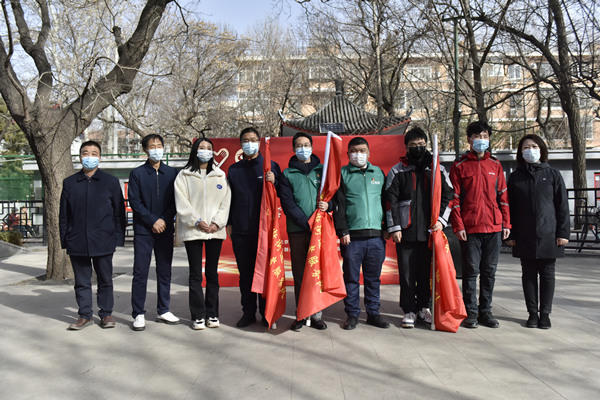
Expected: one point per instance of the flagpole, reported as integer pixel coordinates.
(434, 171)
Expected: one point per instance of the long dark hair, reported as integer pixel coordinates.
(541, 144)
(193, 163)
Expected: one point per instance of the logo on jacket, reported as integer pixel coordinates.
(219, 186)
(374, 182)
(492, 173)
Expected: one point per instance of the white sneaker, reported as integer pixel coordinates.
(167, 318)
(198, 324)
(213, 322)
(409, 320)
(139, 323)
(425, 315)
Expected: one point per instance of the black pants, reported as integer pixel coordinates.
(82, 269)
(199, 306)
(414, 267)
(545, 268)
(244, 248)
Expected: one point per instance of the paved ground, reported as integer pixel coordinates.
(41, 359)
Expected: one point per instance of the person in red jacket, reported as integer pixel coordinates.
(481, 220)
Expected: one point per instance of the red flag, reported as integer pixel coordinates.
(448, 306)
(323, 280)
(269, 270)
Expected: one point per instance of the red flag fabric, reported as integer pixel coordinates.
(323, 280)
(269, 270)
(448, 306)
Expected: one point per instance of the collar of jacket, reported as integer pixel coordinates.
(305, 168)
(471, 155)
(354, 168)
(150, 169)
(254, 161)
(535, 166)
(81, 175)
(216, 171)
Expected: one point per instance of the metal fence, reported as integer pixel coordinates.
(585, 219)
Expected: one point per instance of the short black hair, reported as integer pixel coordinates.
(248, 130)
(90, 143)
(149, 137)
(477, 127)
(415, 133)
(193, 163)
(539, 141)
(357, 141)
(299, 135)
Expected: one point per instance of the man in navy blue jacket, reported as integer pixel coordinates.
(92, 224)
(151, 196)
(246, 183)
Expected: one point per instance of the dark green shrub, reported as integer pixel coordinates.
(13, 237)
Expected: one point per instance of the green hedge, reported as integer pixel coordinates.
(12, 237)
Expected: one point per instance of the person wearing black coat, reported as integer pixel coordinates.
(246, 183)
(92, 223)
(539, 211)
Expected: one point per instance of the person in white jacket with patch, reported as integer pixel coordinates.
(202, 199)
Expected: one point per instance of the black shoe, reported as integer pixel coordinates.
(532, 321)
(350, 323)
(265, 322)
(318, 324)
(377, 321)
(298, 324)
(471, 321)
(544, 321)
(487, 319)
(246, 320)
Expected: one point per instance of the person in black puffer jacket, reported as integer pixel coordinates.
(539, 211)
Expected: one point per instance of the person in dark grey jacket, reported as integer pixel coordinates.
(539, 211)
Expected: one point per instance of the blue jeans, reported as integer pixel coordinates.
(143, 245)
(370, 253)
(82, 269)
(479, 258)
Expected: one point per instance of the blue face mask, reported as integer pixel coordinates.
(250, 148)
(155, 154)
(303, 153)
(90, 163)
(480, 145)
(204, 155)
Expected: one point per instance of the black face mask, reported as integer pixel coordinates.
(417, 152)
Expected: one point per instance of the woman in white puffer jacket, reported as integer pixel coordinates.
(202, 198)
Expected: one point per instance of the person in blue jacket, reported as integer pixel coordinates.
(92, 224)
(246, 183)
(151, 196)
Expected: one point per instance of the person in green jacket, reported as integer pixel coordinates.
(299, 193)
(358, 217)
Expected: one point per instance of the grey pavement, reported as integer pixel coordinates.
(40, 359)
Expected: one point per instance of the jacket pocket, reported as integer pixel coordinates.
(404, 212)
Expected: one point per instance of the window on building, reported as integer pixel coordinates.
(495, 70)
(546, 70)
(516, 105)
(549, 99)
(514, 72)
(587, 126)
(418, 100)
(418, 73)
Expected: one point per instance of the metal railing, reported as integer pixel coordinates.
(584, 206)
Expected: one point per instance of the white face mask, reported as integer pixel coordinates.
(358, 159)
(250, 148)
(204, 155)
(156, 154)
(531, 155)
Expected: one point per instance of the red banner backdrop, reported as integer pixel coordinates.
(385, 153)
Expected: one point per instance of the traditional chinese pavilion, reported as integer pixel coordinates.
(342, 116)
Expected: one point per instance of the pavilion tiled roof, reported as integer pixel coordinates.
(356, 120)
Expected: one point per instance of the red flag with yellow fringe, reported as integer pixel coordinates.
(448, 306)
(269, 271)
(323, 280)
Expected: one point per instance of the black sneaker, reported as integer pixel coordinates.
(471, 321)
(318, 324)
(377, 321)
(532, 321)
(297, 325)
(544, 321)
(487, 319)
(265, 323)
(350, 323)
(246, 320)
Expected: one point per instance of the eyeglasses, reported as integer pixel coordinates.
(306, 146)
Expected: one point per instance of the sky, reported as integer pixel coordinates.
(240, 15)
